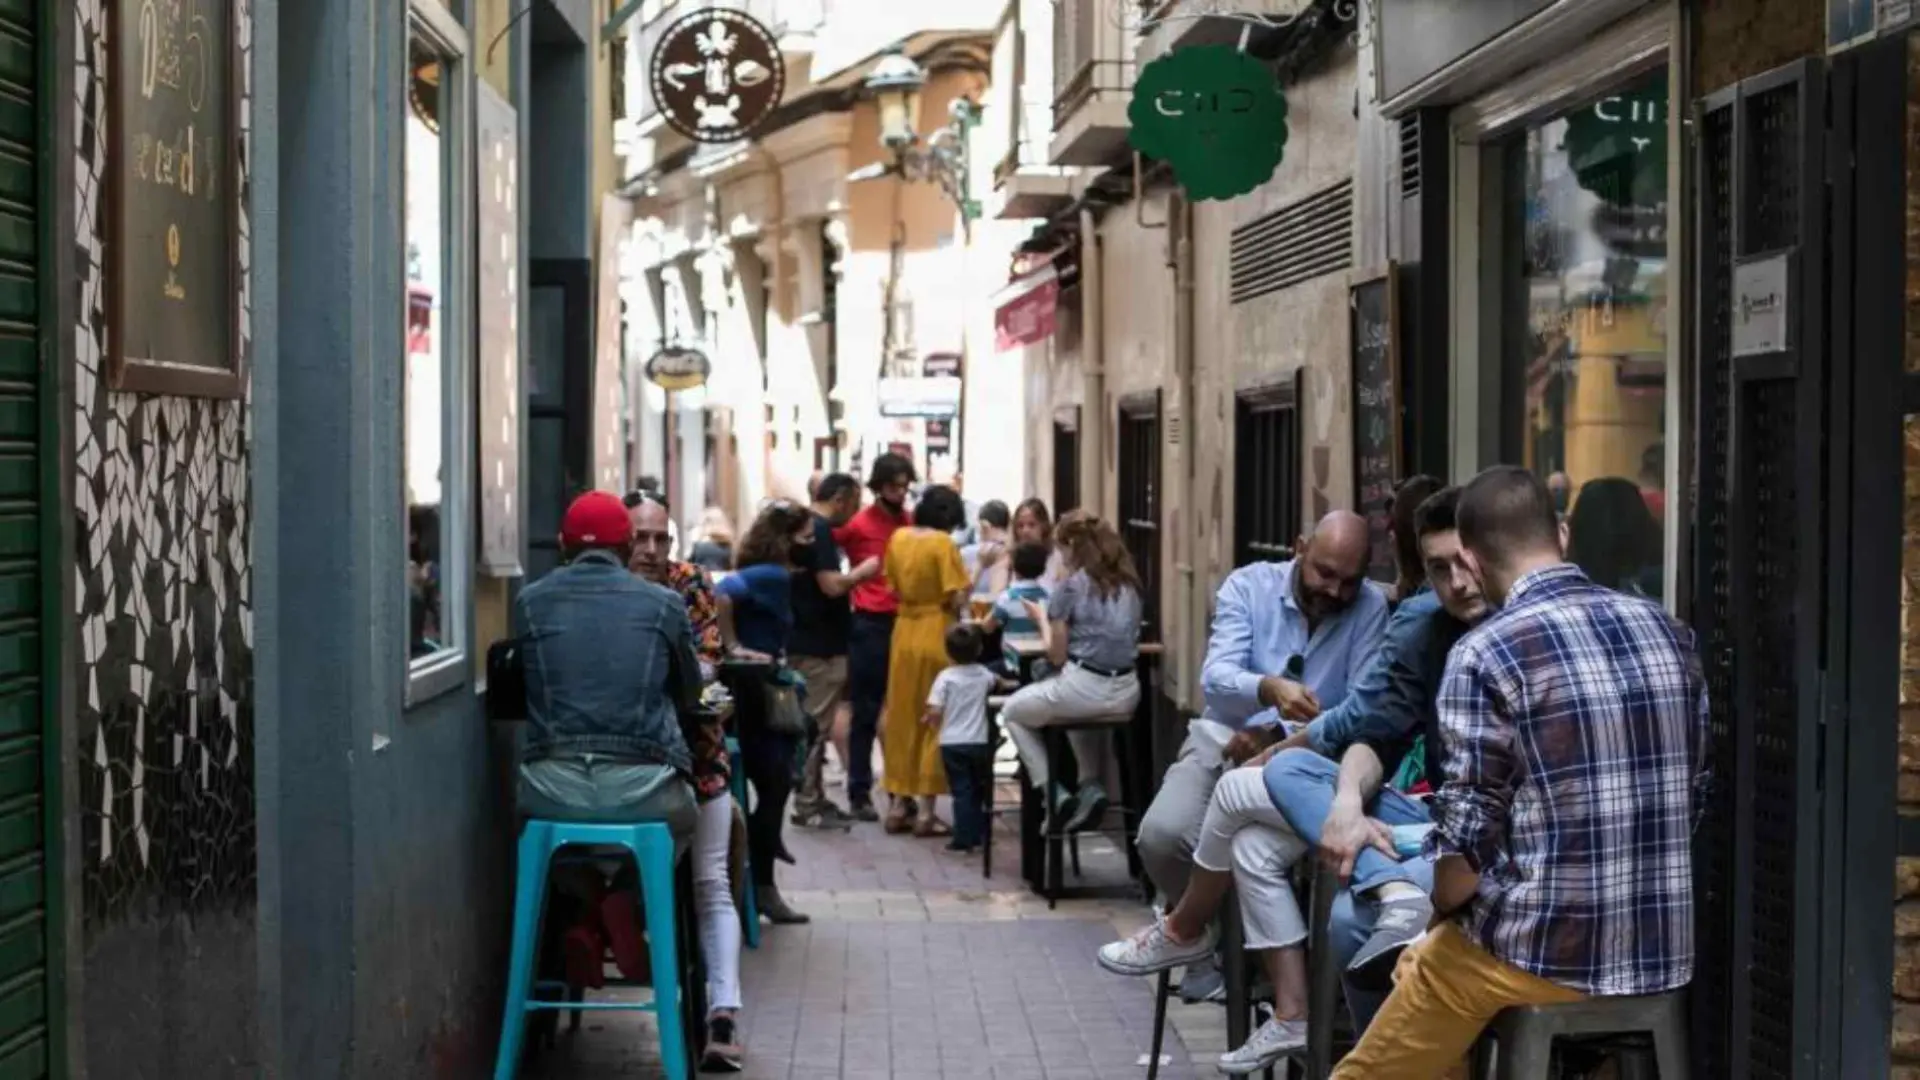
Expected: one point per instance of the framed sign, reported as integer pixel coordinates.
(496, 128)
(173, 197)
(1373, 303)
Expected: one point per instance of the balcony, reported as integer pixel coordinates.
(1093, 69)
(1024, 184)
(1090, 114)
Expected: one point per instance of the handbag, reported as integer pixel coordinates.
(784, 715)
(506, 681)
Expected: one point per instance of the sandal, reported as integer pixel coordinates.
(931, 827)
(896, 823)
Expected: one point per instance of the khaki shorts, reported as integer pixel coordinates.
(826, 684)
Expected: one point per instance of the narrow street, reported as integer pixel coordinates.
(915, 969)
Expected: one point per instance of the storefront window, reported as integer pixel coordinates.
(1583, 393)
(433, 383)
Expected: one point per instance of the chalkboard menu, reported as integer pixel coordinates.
(1373, 314)
(173, 197)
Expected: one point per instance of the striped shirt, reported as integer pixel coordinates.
(1574, 722)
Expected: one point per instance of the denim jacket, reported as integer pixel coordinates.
(609, 661)
(1393, 699)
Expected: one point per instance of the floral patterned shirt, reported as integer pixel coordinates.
(707, 740)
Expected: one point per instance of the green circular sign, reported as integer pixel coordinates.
(1617, 147)
(1213, 113)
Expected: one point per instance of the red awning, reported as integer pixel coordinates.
(1024, 311)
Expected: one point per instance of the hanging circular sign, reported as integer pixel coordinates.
(717, 74)
(677, 367)
(1213, 113)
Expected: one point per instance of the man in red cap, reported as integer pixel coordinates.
(610, 669)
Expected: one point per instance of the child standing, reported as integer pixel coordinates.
(1010, 615)
(958, 704)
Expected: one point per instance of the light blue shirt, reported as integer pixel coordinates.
(1258, 626)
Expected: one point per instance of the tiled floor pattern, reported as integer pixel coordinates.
(914, 968)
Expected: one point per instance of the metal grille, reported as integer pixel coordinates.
(1410, 156)
(1066, 462)
(1266, 476)
(1711, 616)
(1770, 192)
(1139, 449)
(1769, 416)
(1295, 243)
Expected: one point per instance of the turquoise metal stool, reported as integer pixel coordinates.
(737, 780)
(652, 847)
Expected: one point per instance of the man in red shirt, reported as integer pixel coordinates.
(870, 641)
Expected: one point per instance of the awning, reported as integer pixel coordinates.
(1023, 312)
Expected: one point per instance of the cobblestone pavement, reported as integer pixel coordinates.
(915, 968)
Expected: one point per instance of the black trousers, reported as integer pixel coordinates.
(768, 760)
(869, 647)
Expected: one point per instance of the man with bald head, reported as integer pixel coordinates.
(1288, 638)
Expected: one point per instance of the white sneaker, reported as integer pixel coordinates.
(1275, 1040)
(1152, 951)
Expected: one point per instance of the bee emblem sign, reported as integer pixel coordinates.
(717, 74)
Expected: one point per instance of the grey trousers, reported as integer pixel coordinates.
(1170, 829)
(596, 789)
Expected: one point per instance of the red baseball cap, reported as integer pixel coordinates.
(596, 519)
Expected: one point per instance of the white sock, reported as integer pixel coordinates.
(1394, 891)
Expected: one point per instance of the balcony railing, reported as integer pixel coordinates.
(1092, 77)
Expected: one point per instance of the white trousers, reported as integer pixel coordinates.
(1074, 694)
(1245, 833)
(713, 898)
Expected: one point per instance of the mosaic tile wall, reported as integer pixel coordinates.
(162, 577)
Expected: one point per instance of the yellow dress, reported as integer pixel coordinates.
(925, 571)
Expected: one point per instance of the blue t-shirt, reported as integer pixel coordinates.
(762, 598)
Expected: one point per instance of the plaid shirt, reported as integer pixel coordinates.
(1575, 728)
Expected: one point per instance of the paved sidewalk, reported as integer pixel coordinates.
(914, 968)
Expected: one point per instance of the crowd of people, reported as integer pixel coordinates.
(821, 630)
(1502, 757)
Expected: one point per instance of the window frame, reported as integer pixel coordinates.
(450, 667)
(1630, 50)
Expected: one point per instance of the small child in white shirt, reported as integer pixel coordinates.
(958, 703)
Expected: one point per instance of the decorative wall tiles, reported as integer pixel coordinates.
(164, 649)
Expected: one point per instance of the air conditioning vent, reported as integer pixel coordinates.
(1295, 243)
(1410, 156)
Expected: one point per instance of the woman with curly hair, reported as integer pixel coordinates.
(756, 613)
(923, 566)
(1092, 629)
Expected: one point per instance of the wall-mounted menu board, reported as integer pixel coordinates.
(1374, 319)
(496, 129)
(173, 197)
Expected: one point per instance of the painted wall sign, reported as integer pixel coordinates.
(173, 197)
(1213, 113)
(498, 210)
(677, 367)
(717, 74)
(1760, 305)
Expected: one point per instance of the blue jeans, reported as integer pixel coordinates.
(970, 778)
(1302, 785)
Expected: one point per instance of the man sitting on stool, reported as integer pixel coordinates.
(610, 671)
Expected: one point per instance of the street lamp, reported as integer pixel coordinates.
(895, 86)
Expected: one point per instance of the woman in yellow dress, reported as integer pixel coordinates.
(923, 566)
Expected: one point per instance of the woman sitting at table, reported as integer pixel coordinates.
(652, 560)
(1091, 624)
(755, 616)
(923, 566)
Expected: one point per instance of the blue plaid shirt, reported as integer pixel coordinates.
(1575, 728)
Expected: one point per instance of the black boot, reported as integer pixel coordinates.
(775, 907)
